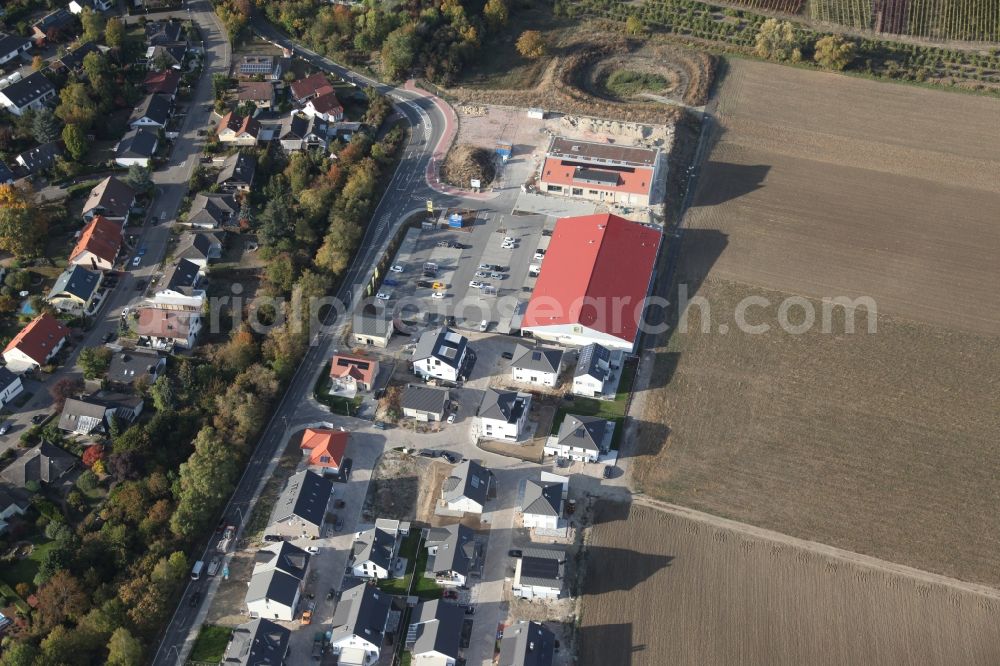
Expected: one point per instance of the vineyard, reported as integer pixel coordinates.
(969, 20)
(786, 6)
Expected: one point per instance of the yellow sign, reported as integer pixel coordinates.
(430, 206)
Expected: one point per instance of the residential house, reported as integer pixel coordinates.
(238, 173)
(212, 211)
(168, 329)
(344, 131)
(153, 111)
(32, 92)
(36, 344)
(374, 331)
(10, 386)
(269, 68)
(73, 60)
(137, 147)
(359, 625)
(435, 633)
(424, 403)
(503, 414)
(539, 574)
(76, 6)
(13, 502)
(325, 449)
(452, 553)
(311, 86)
(44, 463)
(164, 32)
(303, 133)
(163, 83)
(99, 244)
(93, 414)
(527, 644)
(75, 289)
(12, 46)
(593, 370)
(131, 365)
(440, 354)
(166, 56)
(325, 106)
(352, 373)
(6, 175)
(259, 642)
(540, 503)
(260, 93)
(198, 248)
(301, 508)
(467, 488)
(238, 130)
(180, 287)
(581, 438)
(375, 550)
(39, 159)
(536, 365)
(277, 581)
(113, 200)
(56, 26)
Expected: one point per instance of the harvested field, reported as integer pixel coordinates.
(668, 587)
(884, 443)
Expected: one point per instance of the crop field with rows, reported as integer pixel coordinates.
(969, 20)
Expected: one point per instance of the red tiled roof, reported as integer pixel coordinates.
(255, 91)
(172, 324)
(239, 124)
(309, 86)
(560, 172)
(101, 237)
(327, 103)
(326, 447)
(361, 368)
(162, 82)
(39, 338)
(594, 263)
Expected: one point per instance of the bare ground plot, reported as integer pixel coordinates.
(666, 588)
(404, 487)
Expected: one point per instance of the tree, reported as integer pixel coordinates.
(496, 14)
(93, 24)
(399, 51)
(75, 105)
(531, 44)
(90, 455)
(778, 40)
(162, 393)
(61, 598)
(76, 141)
(124, 649)
(88, 480)
(138, 178)
(19, 653)
(94, 360)
(834, 52)
(206, 480)
(67, 387)
(634, 26)
(37, 62)
(114, 33)
(44, 126)
(23, 225)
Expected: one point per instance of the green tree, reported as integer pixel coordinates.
(18, 653)
(94, 361)
(93, 24)
(124, 649)
(76, 141)
(398, 52)
(23, 225)
(162, 393)
(205, 481)
(281, 273)
(496, 14)
(834, 52)
(778, 40)
(634, 26)
(61, 598)
(75, 105)
(44, 126)
(138, 178)
(531, 44)
(114, 33)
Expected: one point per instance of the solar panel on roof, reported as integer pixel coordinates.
(538, 567)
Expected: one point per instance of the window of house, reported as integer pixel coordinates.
(554, 188)
(577, 191)
(592, 192)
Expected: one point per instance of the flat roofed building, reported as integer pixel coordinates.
(604, 172)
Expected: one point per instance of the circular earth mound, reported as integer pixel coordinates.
(465, 163)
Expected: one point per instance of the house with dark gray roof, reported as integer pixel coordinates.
(581, 438)
(93, 414)
(73, 60)
(359, 624)
(6, 175)
(440, 354)
(527, 644)
(374, 330)
(595, 368)
(467, 488)
(11, 46)
(153, 112)
(13, 502)
(180, 287)
(198, 248)
(277, 581)
(74, 289)
(283, 556)
(503, 414)
(374, 552)
(10, 385)
(536, 365)
(238, 173)
(40, 158)
(32, 92)
(539, 573)
(211, 211)
(435, 633)
(111, 198)
(131, 365)
(301, 507)
(541, 503)
(137, 147)
(163, 32)
(424, 403)
(257, 643)
(166, 55)
(44, 463)
(452, 553)
(55, 26)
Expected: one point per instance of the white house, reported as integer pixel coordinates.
(359, 625)
(503, 414)
(424, 403)
(152, 112)
(593, 370)
(539, 574)
(32, 92)
(581, 438)
(137, 147)
(10, 386)
(541, 504)
(467, 488)
(277, 581)
(375, 550)
(13, 502)
(301, 508)
(181, 286)
(11, 46)
(160, 328)
(440, 354)
(325, 107)
(452, 553)
(435, 633)
(36, 344)
(536, 365)
(527, 643)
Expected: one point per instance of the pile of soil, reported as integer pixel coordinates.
(465, 162)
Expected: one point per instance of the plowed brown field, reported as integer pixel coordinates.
(666, 588)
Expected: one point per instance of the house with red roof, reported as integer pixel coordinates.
(163, 83)
(325, 107)
(238, 130)
(36, 344)
(593, 284)
(350, 374)
(605, 172)
(99, 245)
(325, 449)
(313, 85)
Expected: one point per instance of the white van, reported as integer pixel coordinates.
(196, 570)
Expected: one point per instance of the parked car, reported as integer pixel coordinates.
(476, 284)
(427, 453)
(609, 470)
(195, 598)
(389, 282)
(380, 425)
(453, 458)
(5, 428)
(396, 268)
(109, 336)
(497, 276)
(485, 267)
(136, 262)
(307, 617)
(140, 285)
(482, 274)
(514, 552)
(141, 252)
(540, 254)
(339, 504)
(451, 418)
(214, 565)
(272, 538)
(443, 243)
(483, 325)
(382, 296)
(338, 524)
(438, 295)
(312, 550)
(439, 285)
(450, 320)
(424, 284)
(450, 594)
(507, 355)
(38, 418)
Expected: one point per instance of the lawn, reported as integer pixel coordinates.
(211, 643)
(24, 570)
(612, 410)
(416, 564)
(337, 404)
(625, 83)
